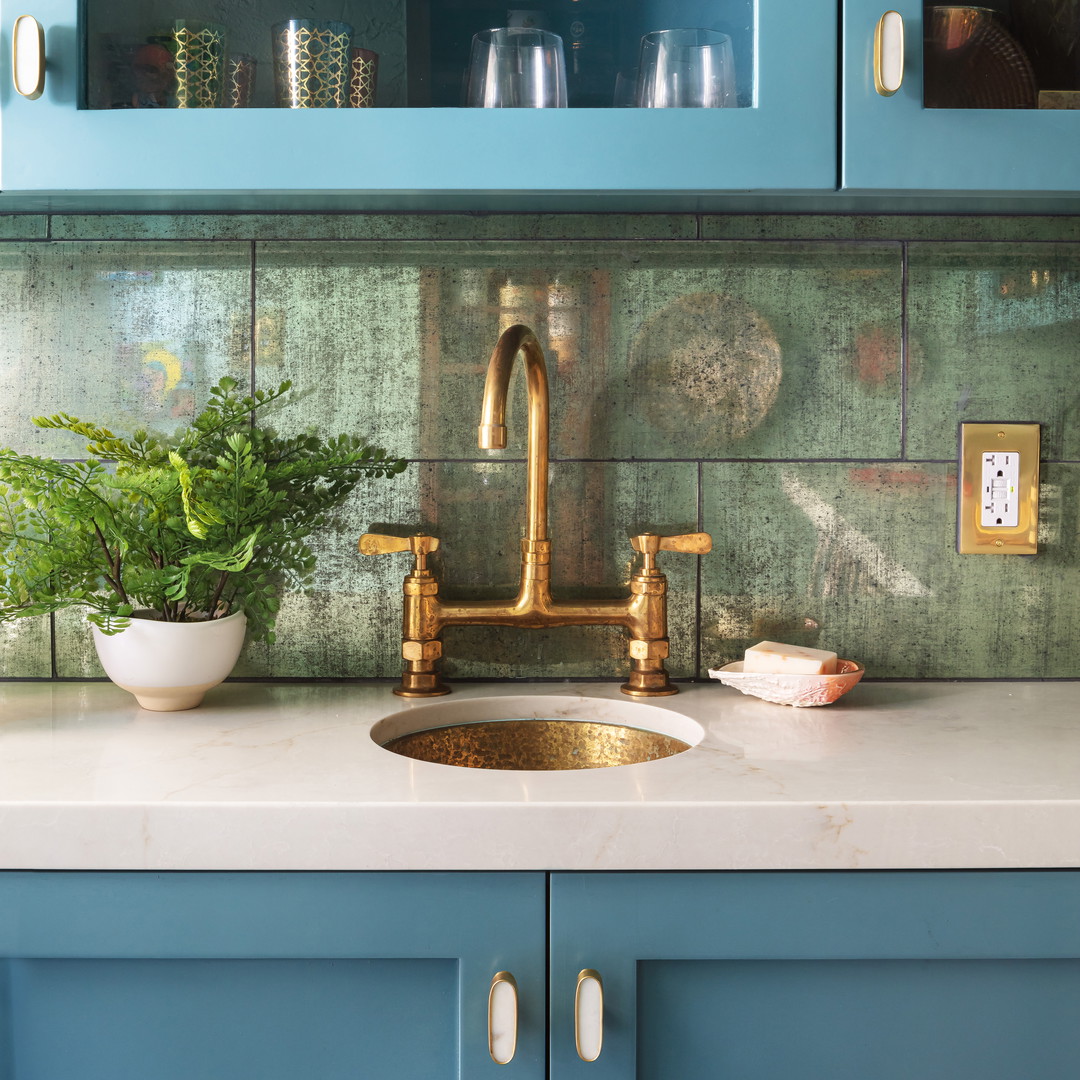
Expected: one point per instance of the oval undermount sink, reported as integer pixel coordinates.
(542, 732)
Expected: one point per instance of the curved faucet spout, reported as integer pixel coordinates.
(492, 435)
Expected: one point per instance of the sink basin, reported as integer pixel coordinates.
(537, 732)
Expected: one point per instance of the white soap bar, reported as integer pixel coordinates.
(770, 657)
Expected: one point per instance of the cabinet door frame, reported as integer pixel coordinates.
(612, 922)
(787, 140)
(893, 144)
(486, 922)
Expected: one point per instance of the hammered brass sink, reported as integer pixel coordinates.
(542, 732)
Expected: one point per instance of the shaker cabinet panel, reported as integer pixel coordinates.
(175, 976)
(985, 105)
(837, 976)
(109, 121)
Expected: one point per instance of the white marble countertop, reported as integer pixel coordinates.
(287, 776)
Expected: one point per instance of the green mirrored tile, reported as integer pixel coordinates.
(681, 351)
(889, 227)
(23, 226)
(347, 622)
(126, 335)
(348, 331)
(368, 226)
(785, 352)
(76, 657)
(154, 227)
(862, 559)
(993, 337)
(25, 649)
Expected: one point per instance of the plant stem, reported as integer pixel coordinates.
(113, 575)
(218, 590)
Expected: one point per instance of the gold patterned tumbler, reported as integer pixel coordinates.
(362, 78)
(311, 64)
(240, 88)
(198, 50)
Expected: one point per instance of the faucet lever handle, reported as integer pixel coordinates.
(690, 543)
(699, 543)
(379, 544)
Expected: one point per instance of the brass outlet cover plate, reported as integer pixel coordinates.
(972, 536)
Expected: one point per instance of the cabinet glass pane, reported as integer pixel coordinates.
(397, 53)
(1019, 54)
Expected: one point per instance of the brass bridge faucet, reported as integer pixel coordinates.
(643, 613)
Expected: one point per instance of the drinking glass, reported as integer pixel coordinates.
(686, 69)
(198, 51)
(311, 64)
(516, 67)
(625, 96)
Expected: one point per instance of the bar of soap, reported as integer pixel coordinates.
(774, 658)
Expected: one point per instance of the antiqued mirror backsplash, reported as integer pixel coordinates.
(790, 384)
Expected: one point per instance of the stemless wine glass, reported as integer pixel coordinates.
(516, 67)
(686, 69)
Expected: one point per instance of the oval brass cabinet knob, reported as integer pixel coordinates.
(589, 1014)
(502, 1018)
(28, 57)
(889, 53)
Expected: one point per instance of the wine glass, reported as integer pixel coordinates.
(686, 69)
(516, 67)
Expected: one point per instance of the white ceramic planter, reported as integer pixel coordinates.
(170, 666)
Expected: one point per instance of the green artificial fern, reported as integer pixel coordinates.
(212, 520)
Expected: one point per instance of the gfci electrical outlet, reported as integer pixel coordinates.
(998, 510)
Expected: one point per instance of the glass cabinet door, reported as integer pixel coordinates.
(988, 97)
(274, 97)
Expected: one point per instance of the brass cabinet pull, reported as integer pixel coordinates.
(28, 56)
(589, 1014)
(889, 53)
(502, 1018)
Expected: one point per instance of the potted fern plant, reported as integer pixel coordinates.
(175, 547)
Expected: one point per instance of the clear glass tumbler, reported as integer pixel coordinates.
(686, 69)
(516, 67)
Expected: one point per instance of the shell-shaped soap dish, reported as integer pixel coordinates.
(797, 690)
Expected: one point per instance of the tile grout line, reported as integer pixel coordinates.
(697, 587)
(251, 323)
(904, 349)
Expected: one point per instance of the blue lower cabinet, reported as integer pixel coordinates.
(821, 976)
(269, 976)
(386, 976)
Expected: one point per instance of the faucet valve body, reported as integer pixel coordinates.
(643, 613)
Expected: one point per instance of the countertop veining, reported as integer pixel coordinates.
(286, 776)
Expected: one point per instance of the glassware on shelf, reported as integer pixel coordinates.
(972, 61)
(240, 81)
(516, 67)
(363, 76)
(625, 95)
(686, 69)
(311, 64)
(198, 53)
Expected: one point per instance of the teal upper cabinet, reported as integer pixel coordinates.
(137, 103)
(989, 99)
(124, 87)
